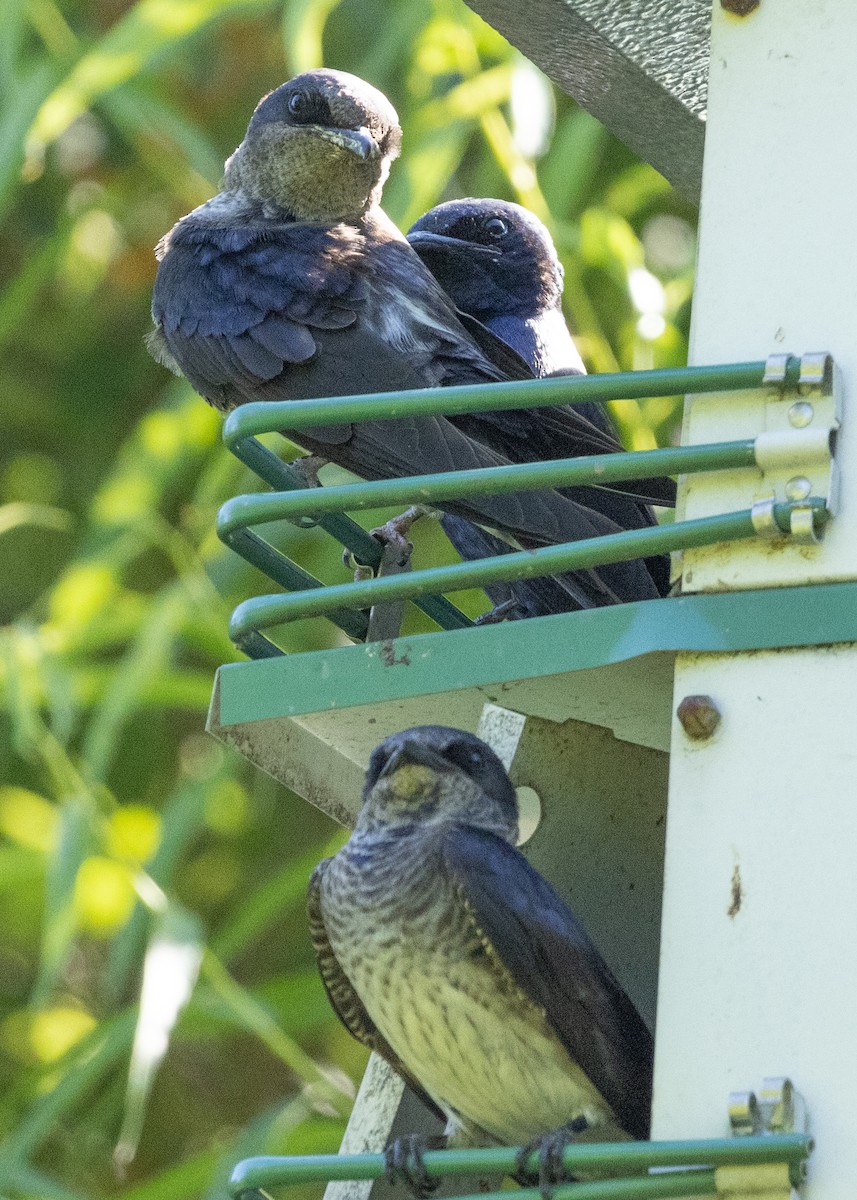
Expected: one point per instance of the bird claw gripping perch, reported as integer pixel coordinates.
(403, 1159)
(498, 613)
(392, 536)
(550, 1149)
(393, 533)
(385, 620)
(307, 466)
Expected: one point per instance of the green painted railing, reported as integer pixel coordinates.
(269, 416)
(593, 470)
(684, 1168)
(345, 604)
(263, 612)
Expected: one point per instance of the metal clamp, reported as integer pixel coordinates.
(778, 1108)
(795, 449)
(802, 524)
(776, 366)
(816, 373)
(762, 516)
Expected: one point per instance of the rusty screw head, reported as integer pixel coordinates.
(740, 8)
(699, 717)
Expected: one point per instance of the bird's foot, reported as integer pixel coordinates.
(498, 613)
(307, 467)
(362, 571)
(397, 547)
(550, 1149)
(403, 1159)
(393, 533)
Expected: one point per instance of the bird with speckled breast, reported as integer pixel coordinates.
(293, 283)
(497, 262)
(442, 949)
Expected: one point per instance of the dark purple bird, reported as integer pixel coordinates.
(293, 283)
(497, 262)
(443, 950)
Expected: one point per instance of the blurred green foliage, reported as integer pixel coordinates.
(136, 856)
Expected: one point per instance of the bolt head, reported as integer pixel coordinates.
(698, 716)
(798, 488)
(740, 8)
(801, 414)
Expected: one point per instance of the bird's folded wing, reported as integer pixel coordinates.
(237, 304)
(344, 999)
(540, 942)
(504, 356)
(538, 434)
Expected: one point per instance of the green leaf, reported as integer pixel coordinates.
(183, 818)
(16, 116)
(143, 115)
(170, 969)
(269, 902)
(303, 29)
(151, 29)
(74, 843)
(25, 1180)
(149, 653)
(82, 1068)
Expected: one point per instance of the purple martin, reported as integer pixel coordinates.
(442, 949)
(293, 283)
(497, 262)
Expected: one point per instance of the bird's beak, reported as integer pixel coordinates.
(357, 141)
(414, 753)
(422, 240)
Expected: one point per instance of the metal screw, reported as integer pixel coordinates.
(798, 488)
(699, 717)
(801, 414)
(741, 8)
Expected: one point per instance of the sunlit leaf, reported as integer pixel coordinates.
(30, 89)
(54, 1031)
(303, 27)
(170, 968)
(181, 821)
(83, 1067)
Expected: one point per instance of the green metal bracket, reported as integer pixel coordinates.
(426, 663)
(344, 604)
(683, 1168)
(262, 612)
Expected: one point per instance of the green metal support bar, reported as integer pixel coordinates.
(615, 1157)
(283, 571)
(271, 416)
(652, 1187)
(593, 470)
(284, 478)
(265, 611)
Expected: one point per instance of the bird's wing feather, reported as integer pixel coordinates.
(550, 957)
(271, 311)
(494, 348)
(343, 999)
(237, 304)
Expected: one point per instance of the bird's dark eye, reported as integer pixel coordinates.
(466, 756)
(308, 108)
(496, 227)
